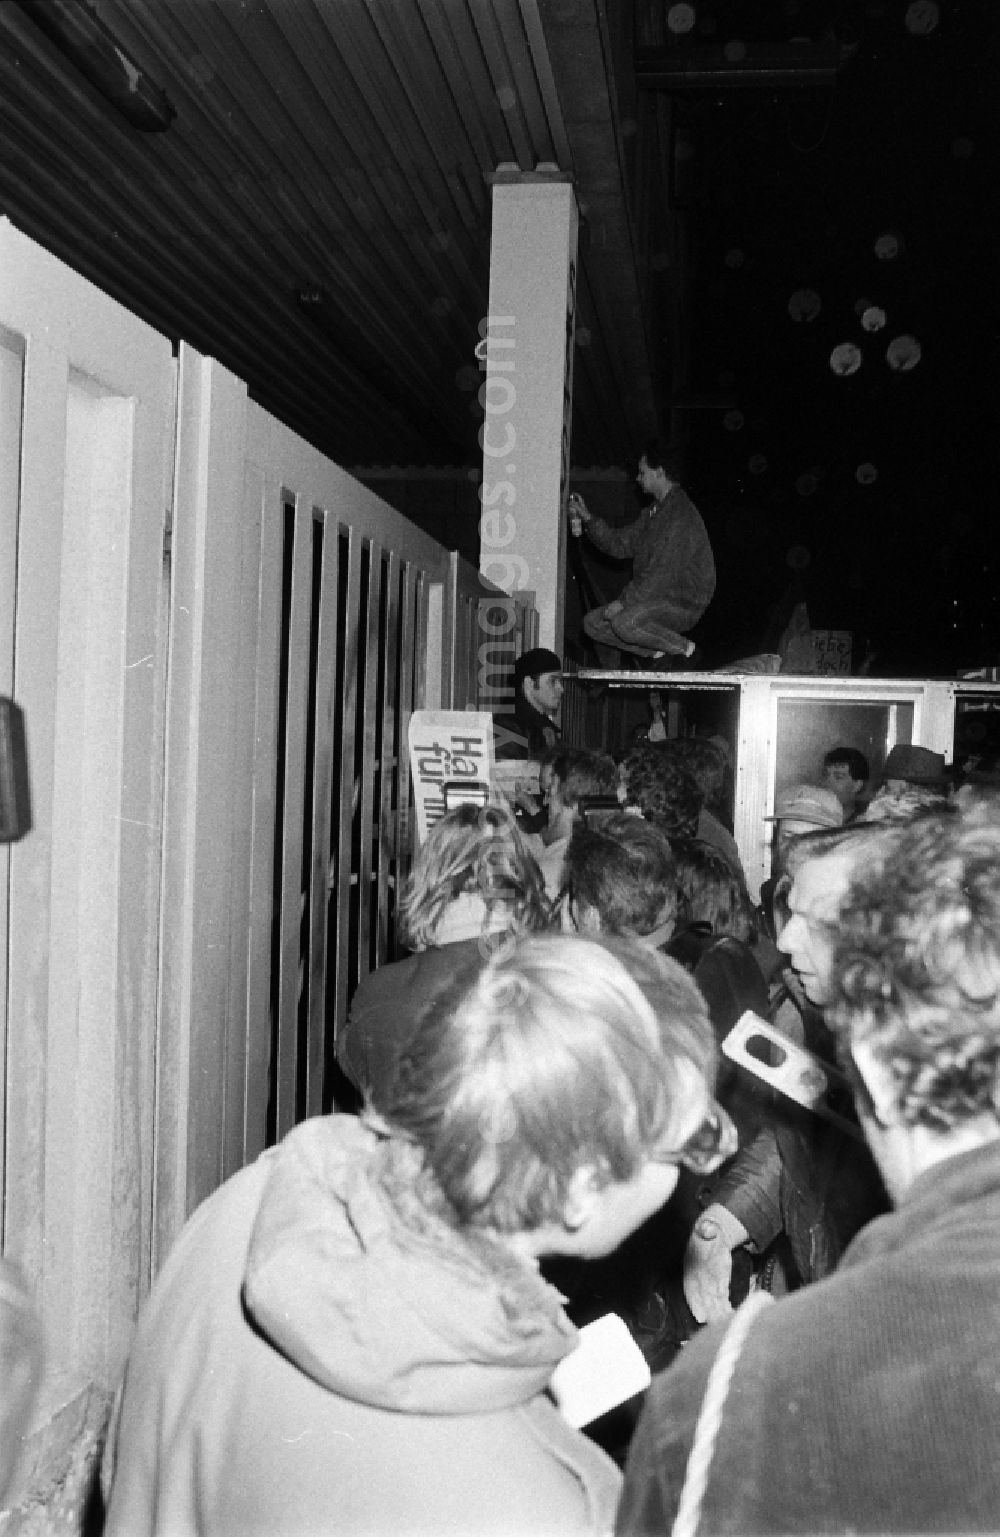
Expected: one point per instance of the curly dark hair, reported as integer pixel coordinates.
(917, 966)
(663, 788)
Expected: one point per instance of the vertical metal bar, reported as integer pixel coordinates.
(420, 658)
(262, 489)
(319, 892)
(349, 708)
(466, 697)
(449, 628)
(369, 831)
(388, 859)
(409, 658)
(290, 978)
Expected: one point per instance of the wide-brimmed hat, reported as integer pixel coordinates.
(807, 803)
(917, 765)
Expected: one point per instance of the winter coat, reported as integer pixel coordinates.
(386, 1009)
(869, 1402)
(388, 1002)
(322, 1355)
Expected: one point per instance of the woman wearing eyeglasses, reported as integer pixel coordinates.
(353, 1334)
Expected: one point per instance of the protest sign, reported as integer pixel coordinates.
(449, 747)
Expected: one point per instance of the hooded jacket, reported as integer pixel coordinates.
(323, 1354)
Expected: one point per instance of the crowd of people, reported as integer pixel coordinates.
(358, 1332)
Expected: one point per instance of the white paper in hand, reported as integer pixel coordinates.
(606, 1368)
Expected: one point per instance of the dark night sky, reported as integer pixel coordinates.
(794, 193)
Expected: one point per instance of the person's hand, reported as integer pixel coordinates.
(708, 1263)
(525, 801)
(579, 514)
(613, 608)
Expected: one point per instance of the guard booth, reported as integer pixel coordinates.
(779, 726)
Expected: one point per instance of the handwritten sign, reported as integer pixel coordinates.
(832, 649)
(447, 747)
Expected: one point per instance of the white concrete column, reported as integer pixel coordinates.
(527, 392)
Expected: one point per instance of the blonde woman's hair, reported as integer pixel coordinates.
(473, 850)
(558, 1053)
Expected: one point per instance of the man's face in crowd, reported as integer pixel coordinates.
(809, 936)
(652, 481)
(546, 694)
(837, 777)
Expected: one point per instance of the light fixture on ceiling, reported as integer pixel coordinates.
(82, 36)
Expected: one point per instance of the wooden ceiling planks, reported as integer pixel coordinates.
(338, 145)
(369, 273)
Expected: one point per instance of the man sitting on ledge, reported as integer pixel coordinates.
(673, 570)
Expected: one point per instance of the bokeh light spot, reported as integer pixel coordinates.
(804, 305)
(903, 354)
(845, 359)
(680, 19)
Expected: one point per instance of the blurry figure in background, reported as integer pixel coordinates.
(656, 731)
(573, 774)
(708, 766)
(904, 804)
(530, 809)
(20, 1370)
(797, 646)
(908, 764)
(673, 570)
(868, 1403)
(798, 809)
(473, 884)
(724, 748)
(980, 769)
(707, 759)
(845, 772)
(914, 779)
(352, 1334)
(662, 788)
(798, 1193)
